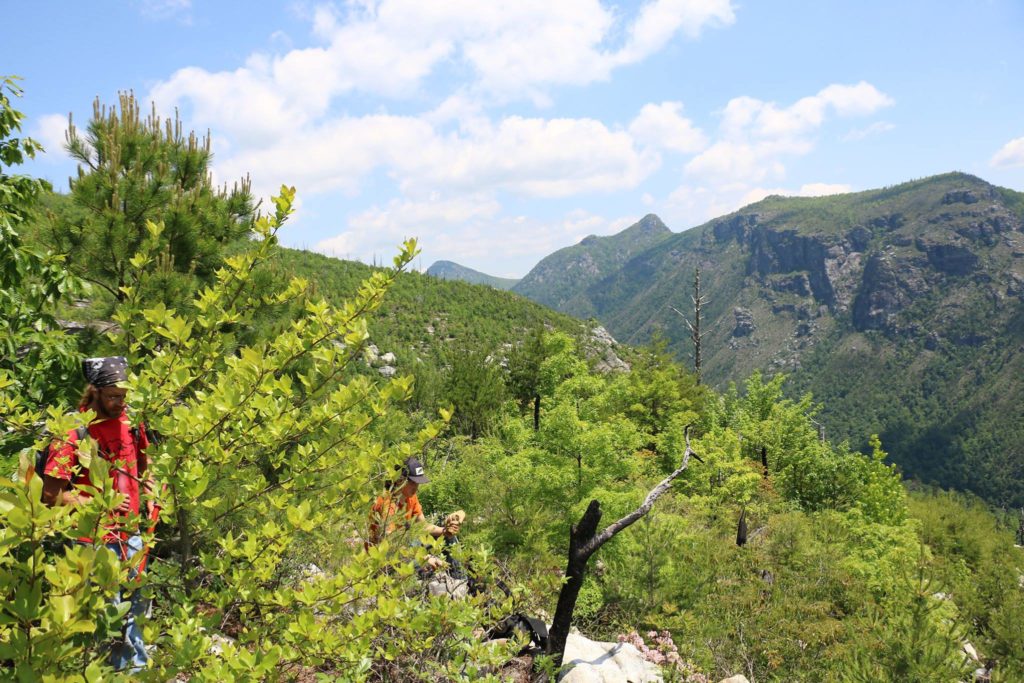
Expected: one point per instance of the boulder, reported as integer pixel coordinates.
(596, 662)
(738, 678)
(386, 371)
(388, 358)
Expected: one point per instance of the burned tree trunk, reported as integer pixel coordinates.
(584, 541)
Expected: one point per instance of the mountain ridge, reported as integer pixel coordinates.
(901, 308)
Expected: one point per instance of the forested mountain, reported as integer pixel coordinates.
(561, 279)
(901, 309)
(449, 270)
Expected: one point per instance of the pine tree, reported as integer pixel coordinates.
(132, 170)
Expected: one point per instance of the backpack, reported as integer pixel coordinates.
(43, 454)
(534, 629)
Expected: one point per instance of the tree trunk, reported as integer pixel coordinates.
(536, 412)
(584, 541)
(575, 570)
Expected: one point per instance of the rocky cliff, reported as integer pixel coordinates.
(902, 309)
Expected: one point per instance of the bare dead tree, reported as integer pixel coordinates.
(584, 541)
(696, 334)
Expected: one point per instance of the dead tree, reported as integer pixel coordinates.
(584, 541)
(696, 335)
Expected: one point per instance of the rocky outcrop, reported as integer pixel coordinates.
(949, 258)
(744, 322)
(596, 662)
(601, 348)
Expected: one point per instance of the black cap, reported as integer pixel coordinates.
(413, 471)
(105, 372)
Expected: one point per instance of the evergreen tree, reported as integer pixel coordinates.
(524, 375)
(133, 170)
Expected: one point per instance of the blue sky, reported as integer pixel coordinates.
(499, 132)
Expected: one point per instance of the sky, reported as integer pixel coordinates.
(499, 132)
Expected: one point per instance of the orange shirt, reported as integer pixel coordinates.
(386, 512)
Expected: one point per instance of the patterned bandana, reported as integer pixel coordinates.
(105, 372)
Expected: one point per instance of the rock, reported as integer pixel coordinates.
(443, 584)
(386, 371)
(738, 678)
(960, 196)
(949, 258)
(388, 358)
(597, 662)
(795, 284)
(218, 643)
(602, 346)
(744, 322)
(970, 651)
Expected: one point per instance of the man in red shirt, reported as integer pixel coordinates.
(124, 449)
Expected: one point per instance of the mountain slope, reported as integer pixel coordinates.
(449, 270)
(902, 309)
(560, 279)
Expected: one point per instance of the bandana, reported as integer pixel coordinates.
(105, 372)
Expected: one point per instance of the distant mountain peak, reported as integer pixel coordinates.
(449, 270)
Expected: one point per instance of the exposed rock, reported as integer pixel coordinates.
(880, 297)
(860, 238)
(952, 259)
(443, 584)
(961, 196)
(388, 358)
(970, 651)
(738, 678)
(744, 322)
(387, 371)
(795, 284)
(602, 347)
(596, 662)
(371, 353)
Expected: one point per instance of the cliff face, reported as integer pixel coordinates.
(902, 309)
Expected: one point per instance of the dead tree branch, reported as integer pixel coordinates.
(584, 541)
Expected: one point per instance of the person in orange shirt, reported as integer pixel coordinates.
(400, 505)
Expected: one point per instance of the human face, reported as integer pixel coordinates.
(410, 488)
(110, 401)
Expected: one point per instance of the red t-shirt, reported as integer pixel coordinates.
(117, 446)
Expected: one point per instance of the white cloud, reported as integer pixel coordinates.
(1010, 154)
(658, 22)
(468, 229)
(662, 125)
(528, 156)
(755, 135)
(159, 10)
(876, 128)
(49, 130)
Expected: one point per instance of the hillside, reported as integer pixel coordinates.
(560, 280)
(449, 270)
(901, 309)
(423, 318)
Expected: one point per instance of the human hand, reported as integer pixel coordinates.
(453, 523)
(124, 507)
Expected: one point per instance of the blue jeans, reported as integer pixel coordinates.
(130, 652)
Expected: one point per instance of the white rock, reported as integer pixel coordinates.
(217, 643)
(443, 584)
(971, 652)
(738, 678)
(388, 358)
(596, 662)
(386, 371)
